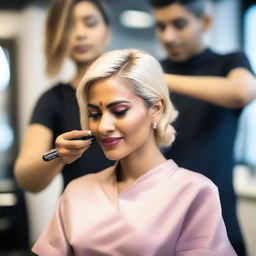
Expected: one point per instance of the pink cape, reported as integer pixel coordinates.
(167, 211)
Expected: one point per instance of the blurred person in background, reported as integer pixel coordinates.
(144, 205)
(210, 91)
(80, 30)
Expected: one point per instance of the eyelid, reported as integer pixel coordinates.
(120, 113)
(91, 21)
(160, 26)
(94, 116)
(93, 112)
(119, 108)
(121, 105)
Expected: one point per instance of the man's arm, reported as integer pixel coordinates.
(234, 91)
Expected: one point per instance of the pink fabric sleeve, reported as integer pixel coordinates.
(53, 241)
(203, 231)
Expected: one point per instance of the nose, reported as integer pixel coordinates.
(80, 31)
(169, 34)
(106, 124)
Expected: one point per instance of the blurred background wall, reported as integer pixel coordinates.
(22, 29)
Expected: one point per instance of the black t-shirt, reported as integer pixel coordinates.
(206, 132)
(57, 109)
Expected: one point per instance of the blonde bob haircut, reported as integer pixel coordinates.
(144, 74)
(58, 30)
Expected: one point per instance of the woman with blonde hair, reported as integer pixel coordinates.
(79, 30)
(144, 204)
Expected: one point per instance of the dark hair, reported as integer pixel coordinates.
(101, 6)
(196, 7)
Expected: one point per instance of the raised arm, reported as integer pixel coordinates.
(31, 172)
(234, 91)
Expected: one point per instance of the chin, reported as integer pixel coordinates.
(177, 58)
(113, 156)
(83, 59)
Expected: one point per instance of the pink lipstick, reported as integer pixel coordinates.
(110, 142)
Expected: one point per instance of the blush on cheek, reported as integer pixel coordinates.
(136, 123)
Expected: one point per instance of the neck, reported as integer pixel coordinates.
(198, 51)
(80, 71)
(139, 163)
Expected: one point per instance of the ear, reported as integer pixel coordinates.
(157, 111)
(206, 22)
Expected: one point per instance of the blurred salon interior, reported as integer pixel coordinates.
(23, 215)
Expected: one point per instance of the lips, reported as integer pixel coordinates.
(82, 48)
(110, 142)
(173, 47)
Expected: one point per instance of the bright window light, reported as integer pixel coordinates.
(136, 19)
(6, 137)
(245, 152)
(250, 35)
(8, 199)
(5, 70)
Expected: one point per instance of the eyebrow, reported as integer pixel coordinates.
(171, 21)
(88, 17)
(109, 105)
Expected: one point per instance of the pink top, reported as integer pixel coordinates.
(167, 211)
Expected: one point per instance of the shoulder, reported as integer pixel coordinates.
(195, 191)
(235, 54)
(235, 58)
(56, 89)
(55, 94)
(231, 60)
(88, 181)
(229, 56)
(194, 181)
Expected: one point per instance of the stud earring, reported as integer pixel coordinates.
(154, 126)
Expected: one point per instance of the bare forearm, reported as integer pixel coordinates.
(226, 92)
(35, 175)
(31, 172)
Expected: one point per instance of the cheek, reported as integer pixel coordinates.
(101, 37)
(135, 124)
(192, 32)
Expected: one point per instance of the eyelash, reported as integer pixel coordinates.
(91, 24)
(93, 116)
(179, 25)
(120, 113)
(160, 26)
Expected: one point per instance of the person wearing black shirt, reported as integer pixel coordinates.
(209, 90)
(78, 30)
(58, 110)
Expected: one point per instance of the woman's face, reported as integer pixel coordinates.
(89, 34)
(119, 118)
